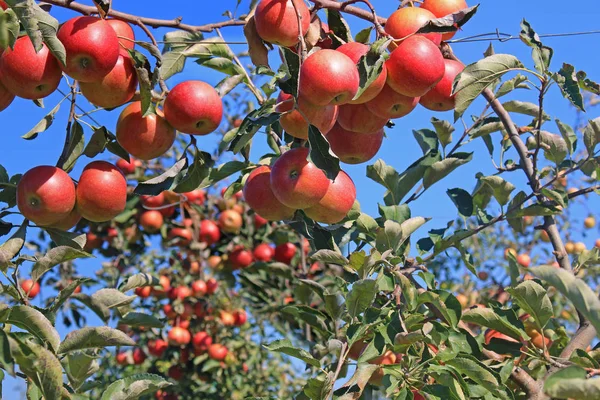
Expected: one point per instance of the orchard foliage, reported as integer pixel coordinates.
(279, 286)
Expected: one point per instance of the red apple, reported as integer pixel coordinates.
(285, 252)
(196, 196)
(293, 120)
(201, 340)
(138, 356)
(180, 292)
(405, 21)
(259, 221)
(441, 8)
(68, 222)
(194, 107)
(260, 196)
(151, 221)
(179, 336)
(122, 358)
(101, 192)
(128, 168)
(114, 89)
(217, 351)
(157, 347)
(6, 97)
(240, 317)
(211, 286)
(277, 21)
(524, 260)
(30, 287)
(358, 118)
(355, 50)
(153, 201)
(209, 232)
(263, 252)
(3, 5)
(338, 200)
(180, 236)
(230, 221)
(352, 147)
(143, 292)
(240, 258)
(199, 288)
(391, 104)
(226, 318)
(440, 98)
(124, 32)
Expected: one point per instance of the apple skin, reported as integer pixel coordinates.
(406, 21)
(441, 8)
(199, 288)
(391, 104)
(352, 147)
(114, 89)
(211, 286)
(28, 74)
(157, 347)
(285, 252)
(31, 287)
(230, 221)
(143, 292)
(194, 107)
(260, 197)
(217, 351)
(3, 5)
(328, 77)
(45, 195)
(151, 221)
(92, 48)
(240, 317)
(263, 252)
(415, 67)
(209, 232)
(150, 202)
(179, 336)
(6, 97)
(128, 168)
(338, 200)
(101, 192)
(296, 182)
(524, 260)
(202, 340)
(123, 30)
(440, 97)
(387, 358)
(196, 196)
(68, 222)
(240, 258)
(145, 138)
(293, 122)
(358, 118)
(277, 21)
(355, 50)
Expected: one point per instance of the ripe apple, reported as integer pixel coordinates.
(196, 196)
(240, 258)
(240, 317)
(180, 236)
(114, 89)
(101, 192)
(415, 67)
(328, 77)
(179, 336)
(387, 358)
(230, 221)
(68, 222)
(293, 120)
(338, 200)
(194, 107)
(124, 32)
(209, 232)
(128, 168)
(92, 241)
(138, 356)
(260, 196)
(263, 252)
(358, 118)
(45, 195)
(441, 8)
(570, 247)
(143, 292)
(214, 261)
(202, 340)
(151, 221)
(92, 48)
(175, 372)
(524, 260)
(589, 222)
(153, 201)
(391, 104)
(217, 351)
(352, 147)
(199, 288)
(440, 97)
(356, 348)
(226, 318)
(597, 243)
(417, 395)
(145, 138)
(211, 286)
(296, 182)
(122, 358)
(6, 97)
(3, 5)
(285, 252)
(544, 236)
(355, 50)
(28, 74)
(259, 221)
(157, 347)
(277, 21)
(165, 285)
(405, 21)
(30, 287)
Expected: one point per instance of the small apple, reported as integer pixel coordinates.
(263, 252)
(128, 168)
(202, 340)
(199, 288)
(240, 258)
(296, 121)
(359, 118)
(240, 317)
(138, 356)
(151, 202)
(226, 318)
(209, 232)
(230, 221)
(151, 221)
(179, 336)
(217, 351)
(143, 292)
(211, 286)
(589, 222)
(285, 252)
(524, 260)
(157, 347)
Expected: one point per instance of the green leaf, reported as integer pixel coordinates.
(427, 139)
(591, 135)
(196, 173)
(6, 359)
(490, 319)
(93, 304)
(221, 172)
(440, 169)
(370, 66)
(257, 50)
(311, 316)
(500, 188)
(146, 78)
(525, 108)
(338, 26)
(517, 82)
(480, 374)
(9, 28)
(166, 181)
(135, 386)
(462, 200)
(534, 300)
(318, 388)
(263, 116)
(389, 237)
(11, 248)
(534, 210)
(43, 125)
(112, 298)
(554, 146)
(97, 143)
(54, 257)
(138, 280)
(291, 64)
(74, 146)
(285, 346)
(69, 239)
(445, 303)
(141, 320)
(359, 379)
(450, 22)
(361, 296)
(364, 35)
(486, 126)
(571, 383)
(443, 130)
(321, 155)
(32, 321)
(568, 135)
(542, 55)
(79, 366)
(329, 257)
(94, 337)
(569, 86)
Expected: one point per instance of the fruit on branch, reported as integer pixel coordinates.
(524, 260)
(196, 196)
(45, 195)
(391, 104)
(240, 258)
(328, 77)
(230, 221)
(544, 236)
(180, 292)
(387, 358)
(180, 236)
(440, 97)
(153, 201)
(217, 351)
(122, 358)
(285, 252)
(128, 168)
(202, 340)
(92, 48)
(297, 182)
(263, 252)
(143, 292)
(405, 21)
(124, 33)
(114, 89)
(494, 334)
(441, 8)
(570, 247)
(68, 222)
(417, 395)
(138, 356)
(209, 232)
(358, 118)
(338, 200)
(352, 147)
(589, 222)
(28, 74)
(293, 121)
(147, 137)
(199, 288)
(260, 197)
(579, 247)
(101, 192)
(415, 66)
(3, 5)
(508, 251)
(355, 50)
(226, 318)
(277, 21)
(30, 287)
(194, 107)
(240, 317)
(179, 336)
(211, 286)
(151, 221)
(356, 349)
(6, 97)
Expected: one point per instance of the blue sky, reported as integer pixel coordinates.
(399, 148)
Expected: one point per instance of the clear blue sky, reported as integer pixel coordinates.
(399, 148)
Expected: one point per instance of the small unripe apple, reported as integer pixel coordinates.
(579, 247)
(194, 107)
(101, 192)
(589, 222)
(509, 250)
(570, 247)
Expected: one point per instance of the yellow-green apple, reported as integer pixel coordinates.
(328, 77)
(6, 97)
(30, 287)
(92, 48)
(391, 104)
(285, 252)
(405, 21)
(124, 32)
(114, 89)
(415, 66)
(45, 195)
(352, 147)
(194, 107)
(209, 232)
(147, 137)
(297, 182)
(230, 221)
(337, 202)
(293, 120)
(101, 192)
(441, 8)
(355, 50)
(440, 97)
(277, 21)
(263, 252)
(28, 74)
(358, 118)
(240, 258)
(68, 222)
(151, 221)
(260, 196)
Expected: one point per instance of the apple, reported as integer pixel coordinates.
(124, 33)
(524, 260)
(143, 292)
(417, 395)
(6, 97)
(3, 5)
(30, 288)
(92, 241)
(491, 334)
(164, 283)
(180, 292)
(352, 147)
(230, 221)
(293, 120)
(355, 50)
(114, 89)
(211, 286)
(285, 252)
(277, 21)
(579, 247)
(338, 200)
(151, 221)
(570, 247)
(153, 201)
(441, 8)
(92, 48)
(157, 347)
(263, 252)
(297, 182)
(358, 118)
(196, 196)
(544, 236)
(415, 67)
(122, 358)
(597, 243)
(240, 258)
(259, 221)
(179, 336)
(440, 97)
(138, 356)
(328, 77)
(68, 222)
(101, 192)
(356, 349)
(199, 288)
(483, 275)
(589, 222)
(217, 351)
(387, 358)
(180, 236)
(202, 340)
(508, 251)
(45, 195)
(128, 168)
(194, 107)
(260, 196)
(28, 74)
(391, 104)
(226, 318)
(405, 21)
(145, 138)
(209, 232)
(214, 261)
(240, 317)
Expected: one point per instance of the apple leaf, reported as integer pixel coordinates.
(65, 293)
(141, 320)
(138, 280)
(542, 55)
(533, 298)
(94, 337)
(146, 78)
(112, 298)
(135, 386)
(490, 319)
(54, 257)
(263, 116)
(462, 200)
(361, 296)
(449, 23)
(571, 382)
(6, 359)
(566, 79)
(321, 155)
(196, 173)
(440, 169)
(329, 257)
(591, 135)
(291, 65)
(93, 304)
(43, 125)
(340, 31)
(480, 374)
(12, 247)
(258, 51)
(32, 321)
(285, 346)
(79, 366)
(9, 28)
(74, 146)
(167, 181)
(371, 64)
